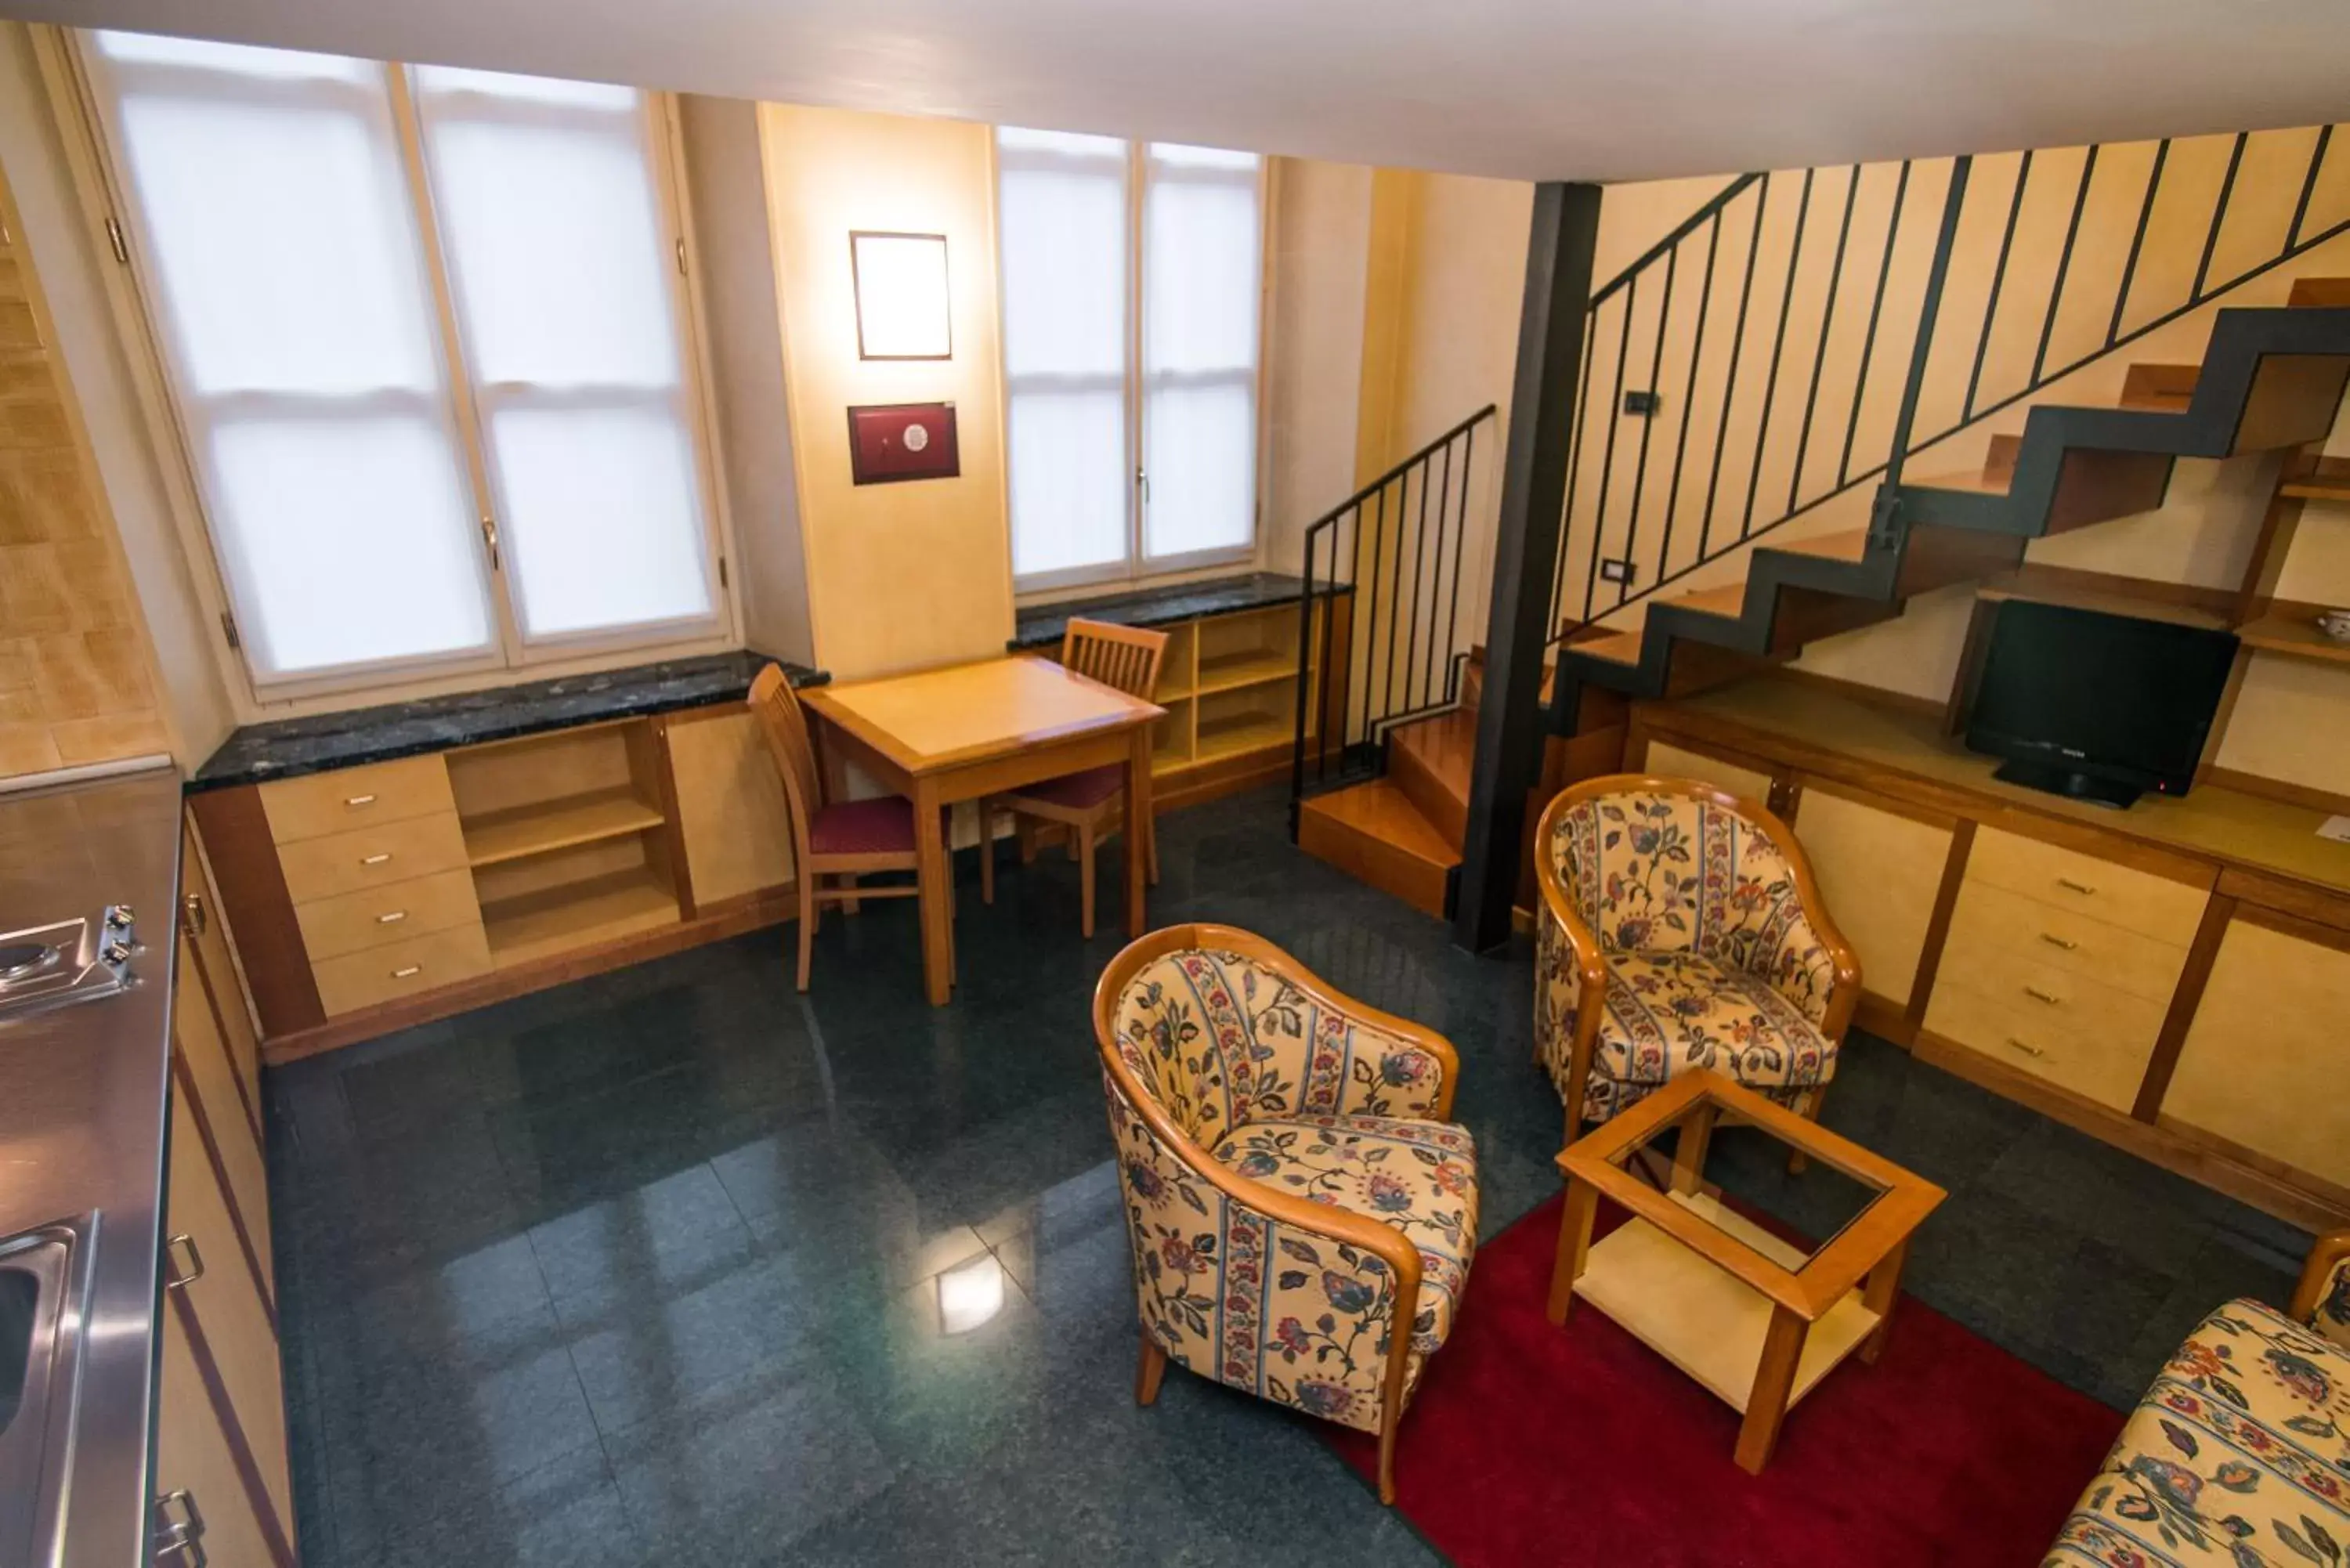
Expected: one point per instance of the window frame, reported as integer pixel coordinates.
(1134, 568)
(85, 117)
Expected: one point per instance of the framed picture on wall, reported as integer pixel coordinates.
(902, 308)
(892, 442)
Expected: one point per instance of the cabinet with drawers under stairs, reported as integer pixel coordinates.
(369, 897)
(2173, 979)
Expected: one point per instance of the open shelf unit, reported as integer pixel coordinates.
(568, 837)
(2292, 629)
(1229, 683)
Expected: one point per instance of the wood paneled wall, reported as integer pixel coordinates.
(75, 682)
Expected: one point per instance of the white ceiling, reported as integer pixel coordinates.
(1599, 89)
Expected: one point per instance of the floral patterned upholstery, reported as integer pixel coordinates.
(1713, 959)
(2238, 1455)
(1266, 1083)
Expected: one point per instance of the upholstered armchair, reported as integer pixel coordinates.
(1301, 1214)
(1681, 928)
(2239, 1452)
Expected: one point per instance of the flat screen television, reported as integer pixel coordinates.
(2097, 706)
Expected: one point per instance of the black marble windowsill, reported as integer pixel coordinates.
(1041, 626)
(289, 748)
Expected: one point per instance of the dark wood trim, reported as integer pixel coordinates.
(1861, 692)
(1551, 319)
(732, 918)
(681, 867)
(260, 911)
(1885, 1019)
(2299, 1199)
(1938, 923)
(1960, 707)
(2264, 891)
(2331, 1193)
(195, 952)
(1929, 815)
(2327, 801)
(2039, 581)
(183, 1084)
(2333, 937)
(2189, 996)
(240, 1446)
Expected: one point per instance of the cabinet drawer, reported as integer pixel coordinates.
(377, 917)
(371, 857)
(2088, 1038)
(1992, 927)
(2119, 895)
(382, 974)
(321, 803)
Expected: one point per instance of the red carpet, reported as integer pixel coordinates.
(1531, 1445)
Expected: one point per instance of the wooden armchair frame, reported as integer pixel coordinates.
(2316, 1270)
(1591, 955)
(1381, 1240)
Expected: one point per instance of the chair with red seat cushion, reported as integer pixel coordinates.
(843, 839)
(1090, 804)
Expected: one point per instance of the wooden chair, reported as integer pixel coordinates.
(842, 838)
(1091, 803)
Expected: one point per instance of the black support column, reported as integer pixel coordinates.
(1525, 558)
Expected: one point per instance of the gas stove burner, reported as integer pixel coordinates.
(79, 960)
(20, 961)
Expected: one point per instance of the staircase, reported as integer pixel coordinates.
(1776, 394)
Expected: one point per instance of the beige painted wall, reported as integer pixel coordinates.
(1313, 345)
(899, 576)
(726, 185)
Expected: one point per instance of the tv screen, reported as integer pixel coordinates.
(2095, 705)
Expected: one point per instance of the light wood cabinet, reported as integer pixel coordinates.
(2264, 1064)
(1879, 868)
(1741, 776)
(731, 810)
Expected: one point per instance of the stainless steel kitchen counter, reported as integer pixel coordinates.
(82, 1118)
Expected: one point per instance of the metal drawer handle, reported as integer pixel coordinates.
(393, 918)
(359, 800)
(183, 1535)
(183, 1278)
(407, 971)
(2027, 1050)
(2054, 940)
(197, 917)
(378, 858)
(2083, 889)
(2037, 994)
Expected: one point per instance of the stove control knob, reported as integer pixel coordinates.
(119, 918)
(116, 952)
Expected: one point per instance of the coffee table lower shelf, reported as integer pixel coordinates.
(1700, 1318)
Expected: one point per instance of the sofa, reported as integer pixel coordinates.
(2239, 1453)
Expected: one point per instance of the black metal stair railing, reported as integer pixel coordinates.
(1766, 384)
(1381, 596)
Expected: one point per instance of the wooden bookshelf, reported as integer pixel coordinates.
(540, 827)
(536, 925)
(2292, 629)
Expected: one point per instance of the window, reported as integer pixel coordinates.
(1131, 281)
(426, 348)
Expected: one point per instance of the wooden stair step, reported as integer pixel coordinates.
(1850, 546)
(2320, 292)
(1727, 602)
(1999, 458)
(2159, 389)
(1617, 648)
(1981, 483)
(1431, 761)
(1373, 833)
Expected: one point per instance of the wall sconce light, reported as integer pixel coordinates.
(969, 1296)
(902, 296)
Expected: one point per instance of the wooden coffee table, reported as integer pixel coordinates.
(1757, 1319)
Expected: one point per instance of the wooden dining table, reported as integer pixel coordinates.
(956, 733)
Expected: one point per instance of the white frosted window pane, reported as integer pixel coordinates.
(555, 241)
(1175, 155)
(1064, 242)
(1201, 267)
(526, 89)
(1069, 480)
(281, 237)
(601, 521)
(347, 540)
(1201, 445)
(1014, 139)
(154, 48)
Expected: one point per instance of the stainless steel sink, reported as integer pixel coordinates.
(44, 1299)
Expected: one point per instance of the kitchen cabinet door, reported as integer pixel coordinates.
(1879, 870)
(218, 1121)
(200, 918)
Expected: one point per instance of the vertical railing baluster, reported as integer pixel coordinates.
(1730, 381)
(1395, 593)
(2137, 240)
(1647, 428)
(2064, 264)
(1882, 514)
(1778, 347)
(2219, 217)
(1868, 343)
(1579, 432)
(2308, 187)
(1689, 393)
(1827, 330)
(1460, 533)
(1418, 571)
(1344, 716)
(1608, 461)
(1370, 637)
(1305, 686)
(1444, 502)
(1998, 280)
